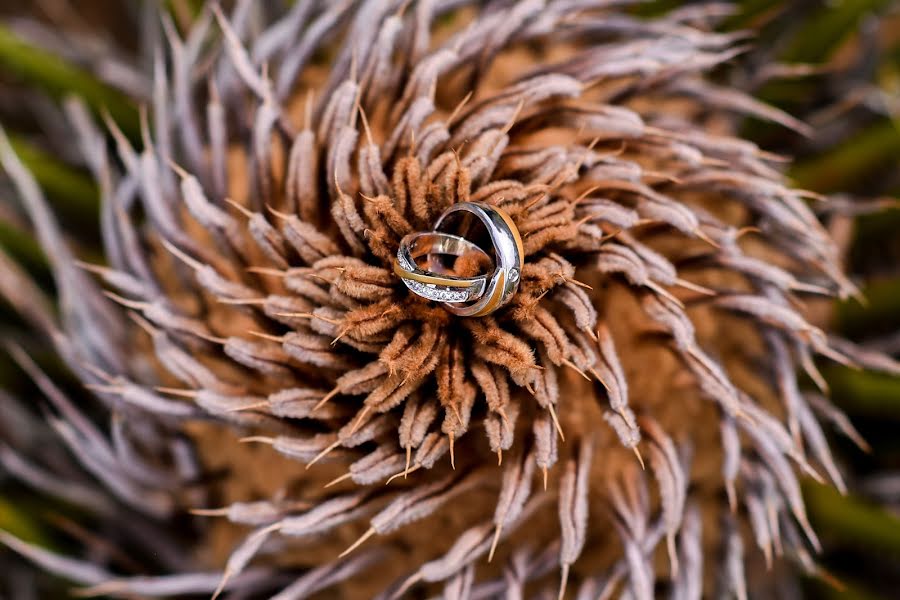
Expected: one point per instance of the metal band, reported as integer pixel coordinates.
(434, 283)
(509, 256)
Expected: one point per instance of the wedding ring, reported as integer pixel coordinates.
(508, 255)
(464, 296)
(435, 281)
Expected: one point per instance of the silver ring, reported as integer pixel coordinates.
(436, 282)
(508, 252)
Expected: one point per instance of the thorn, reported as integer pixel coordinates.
(240, 208)
(563, 581)
(583, 195)
(98, 372)
(639, 457)
(572, 366)
(277, 213)
(408, 459)
(695, 287)
(178, 169)
(188, 260)
(326, 398)
(546, 473)
(497, 532)
(210, 338)
(702, 235)
(830, 579)
(144, 324)
(459, 107)
(254, 406)
(260, 439)
(594, 372)
(242, 302)
(529, 205)
(404, 473)
(225, 577)
(267, 336)
(322, 454)
(588, 149)
(177, 391)
(338, 479)
(580, 284)
(452, 455)
(132, 304)
(307, 315)
(267, 271)
(556, 422)
(371, 531)
(663, 292)
(208, 512)
(499, 457)
(359, 419)
(343, 332)
(365, 123)
(512, 121)
(673, 555)
(92, 268)
(404, 587)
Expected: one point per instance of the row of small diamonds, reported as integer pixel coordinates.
(434, 293)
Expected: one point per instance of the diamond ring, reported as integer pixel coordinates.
(474, 296)
(434, 280)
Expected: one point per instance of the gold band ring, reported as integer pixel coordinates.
(464, 296)
(435, 283)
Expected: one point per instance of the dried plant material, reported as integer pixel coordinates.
(573, 510)
(249, 242)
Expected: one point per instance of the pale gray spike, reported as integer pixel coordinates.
(688, 584)
(298, 55)
(53, 484)
(79, 571)
(732, 578)
(85, 312)
(151, 502)
(329, 574)
(183, 59)
(217, 131)
(275, 39)
(251, 581)
(328, 514)
(161, 119)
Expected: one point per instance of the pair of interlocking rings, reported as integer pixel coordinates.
(474, 296)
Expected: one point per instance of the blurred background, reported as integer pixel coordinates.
(833, 64)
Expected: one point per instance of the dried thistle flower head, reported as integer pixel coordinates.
(639, 388)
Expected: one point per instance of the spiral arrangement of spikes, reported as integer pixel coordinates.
(248, 287)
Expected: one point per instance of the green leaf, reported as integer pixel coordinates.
(18, 522)
(59, 78)
(58, 180)
(852, 520)
(24, 249)
(868, 152)
(749, 10)
(864, 392)
(881, 313)
(825, 30)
